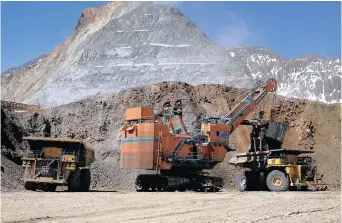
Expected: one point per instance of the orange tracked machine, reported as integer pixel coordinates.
(160, 142)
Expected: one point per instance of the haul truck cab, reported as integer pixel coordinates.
(52, 162)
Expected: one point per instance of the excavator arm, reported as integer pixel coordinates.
(222, 128)
(235, 117)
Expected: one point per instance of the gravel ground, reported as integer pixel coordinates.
(112, 206)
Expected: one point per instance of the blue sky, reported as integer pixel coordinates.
(291, 29)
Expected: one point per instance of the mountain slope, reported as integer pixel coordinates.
(27, 65)
(129, 44)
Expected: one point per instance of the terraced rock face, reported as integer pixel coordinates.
(129, 44)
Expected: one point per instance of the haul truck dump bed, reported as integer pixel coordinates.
(50, 162)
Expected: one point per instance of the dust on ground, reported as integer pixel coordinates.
(112, 206)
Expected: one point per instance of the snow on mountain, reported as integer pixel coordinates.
(128, 44)
(312, 77)
(26, 65)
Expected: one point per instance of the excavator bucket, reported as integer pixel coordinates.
(275, 134)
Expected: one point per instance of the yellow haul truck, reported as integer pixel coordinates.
(271, 167)
(52, 162)
(276, 170)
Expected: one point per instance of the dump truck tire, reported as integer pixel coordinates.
(30, 186)
(74, 181)
(247, 181)
(242, 182)
(85, 180)
(277, 181)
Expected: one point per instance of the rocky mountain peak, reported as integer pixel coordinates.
(128, 44)
(88, 16)
(106, 13)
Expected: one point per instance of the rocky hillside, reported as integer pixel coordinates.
(98, 120)
(129, 44)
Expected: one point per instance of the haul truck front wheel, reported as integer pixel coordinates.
(85, 180)
(277, 181)
(79, 180)
(74, 181)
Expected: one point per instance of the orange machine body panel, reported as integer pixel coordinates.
(139, 145)
(216, 132)
(145, 140)
(170, 142)
(145, 113)
(219, 153)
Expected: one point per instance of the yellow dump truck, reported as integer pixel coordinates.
(52, 162)
(277, 170)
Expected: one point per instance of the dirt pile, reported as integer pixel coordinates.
(98, 121)
(11, 175)
(11, 151)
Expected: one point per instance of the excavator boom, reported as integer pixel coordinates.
(220, 130)
(249, 103)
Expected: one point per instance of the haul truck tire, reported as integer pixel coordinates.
(242, 182)
(277, 181)
(74, 181)
(85, 180)
(247, 181)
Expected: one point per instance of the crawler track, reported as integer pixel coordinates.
(153, 182)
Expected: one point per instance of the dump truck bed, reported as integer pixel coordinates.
(257, 159)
